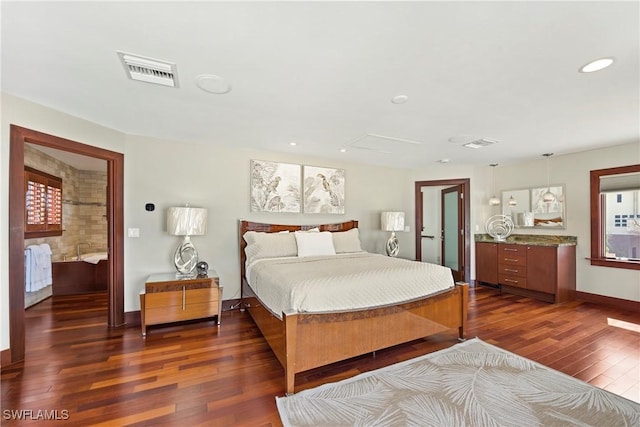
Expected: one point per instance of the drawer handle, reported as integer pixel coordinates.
(184, 297)
(510, 249)
(509, 280)
(511, 270)
(510, 259)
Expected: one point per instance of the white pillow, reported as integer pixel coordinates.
(346, 241)
(269, 245)
(311, 230)
(314, 244)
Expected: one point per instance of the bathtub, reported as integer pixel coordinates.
(78, 276)
(93, 257)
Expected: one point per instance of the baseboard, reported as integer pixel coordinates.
(132, 319)
(5, 357)
(623, 304)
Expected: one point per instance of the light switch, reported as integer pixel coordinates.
(134, 232)
(407, 228)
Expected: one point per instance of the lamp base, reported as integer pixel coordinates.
(392, 245)
(185, 257)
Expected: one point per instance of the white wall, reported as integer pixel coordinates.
(573, 171)
(170, 173)
(29, 115)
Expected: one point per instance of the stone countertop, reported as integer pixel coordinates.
(531, 239)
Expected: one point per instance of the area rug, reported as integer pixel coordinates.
(470, 384)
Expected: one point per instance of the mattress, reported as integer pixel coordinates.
(342, 282)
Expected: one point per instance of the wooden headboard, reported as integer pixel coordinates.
(274, 228)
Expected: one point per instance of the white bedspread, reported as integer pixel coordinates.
(342, 282)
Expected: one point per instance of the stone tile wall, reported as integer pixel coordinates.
(83, 210)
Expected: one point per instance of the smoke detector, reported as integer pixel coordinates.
(149, 70)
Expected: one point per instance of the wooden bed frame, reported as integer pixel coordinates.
(303, 341)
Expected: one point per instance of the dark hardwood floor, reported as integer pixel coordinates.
(199, 374)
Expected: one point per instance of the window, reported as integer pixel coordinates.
(43, 204)
(615, 217)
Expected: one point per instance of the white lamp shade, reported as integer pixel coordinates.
(187, 221)
(392, 221)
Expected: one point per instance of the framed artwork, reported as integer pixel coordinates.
(275, 187)
(323, 190)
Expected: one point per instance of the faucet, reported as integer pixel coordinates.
(78, 248)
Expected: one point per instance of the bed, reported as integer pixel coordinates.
(306, 339)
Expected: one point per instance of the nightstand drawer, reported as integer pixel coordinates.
(178, 298)
(155, 316)
(164, 299)
(167, 298)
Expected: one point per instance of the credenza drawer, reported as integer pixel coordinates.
(512, 270)
(514, 250)
(511, 259)
(509, 280)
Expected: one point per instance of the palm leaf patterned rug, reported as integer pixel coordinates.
(470, 384)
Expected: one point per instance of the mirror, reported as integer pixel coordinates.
(528, 210)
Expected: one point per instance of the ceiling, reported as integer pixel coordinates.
(323, 74)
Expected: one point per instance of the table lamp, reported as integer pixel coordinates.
(392, 221)
(186, 221)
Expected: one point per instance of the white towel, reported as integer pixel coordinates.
(37, 267)
(45, 254)
(29, 266)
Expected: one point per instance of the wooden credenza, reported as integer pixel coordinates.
(167, 298)
(542, 271)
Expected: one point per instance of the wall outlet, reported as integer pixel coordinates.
(133, 232)
(407, 228)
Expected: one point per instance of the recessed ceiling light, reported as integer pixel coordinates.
(293, 143)
(597, 65)
(444, 161)
(343, 150)
(213, 84)
(400, 99)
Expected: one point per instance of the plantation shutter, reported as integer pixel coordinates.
(43, 204)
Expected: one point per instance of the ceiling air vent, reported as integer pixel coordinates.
(479, 143)
(149, 70)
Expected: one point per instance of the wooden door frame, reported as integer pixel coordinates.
(115, 233)
(466, 212)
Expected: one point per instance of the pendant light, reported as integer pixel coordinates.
(548, 197)
(493, 201)
(513, 202)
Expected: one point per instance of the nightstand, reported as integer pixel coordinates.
(167, 298)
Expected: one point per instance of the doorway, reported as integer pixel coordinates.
(451, 238)
(115, 234)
